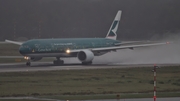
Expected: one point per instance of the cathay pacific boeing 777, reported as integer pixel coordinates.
(83, 48)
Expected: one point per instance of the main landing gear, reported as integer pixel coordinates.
(58, 61)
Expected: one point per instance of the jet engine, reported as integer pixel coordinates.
(85, 56)
(36, 58)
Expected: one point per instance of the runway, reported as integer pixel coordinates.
(136, 99)
(48, 66)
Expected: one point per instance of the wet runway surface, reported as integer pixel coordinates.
(139, 99)
(45, 66)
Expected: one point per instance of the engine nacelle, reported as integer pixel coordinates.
(36, 58)
(85, 56)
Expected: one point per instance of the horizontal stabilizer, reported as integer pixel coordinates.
(14, 42)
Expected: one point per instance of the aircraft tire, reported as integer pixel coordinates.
(28, 63)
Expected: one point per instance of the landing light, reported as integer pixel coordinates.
(68, 51)
(26, 58)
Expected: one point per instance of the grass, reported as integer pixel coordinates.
(12, 60)
(19, 60)
(20, 100)
(9, 50)
(89, 82)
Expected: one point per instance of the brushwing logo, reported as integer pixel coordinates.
(113, 29)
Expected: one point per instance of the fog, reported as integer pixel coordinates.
(165, 54)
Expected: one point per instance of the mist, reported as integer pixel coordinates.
(164, 54)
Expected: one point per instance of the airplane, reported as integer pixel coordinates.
(85, 49)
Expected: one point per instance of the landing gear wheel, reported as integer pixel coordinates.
(87, 63)
(28, 63)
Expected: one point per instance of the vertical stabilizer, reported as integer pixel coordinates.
(113, 29)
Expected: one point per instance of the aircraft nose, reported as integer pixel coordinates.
(22, 50)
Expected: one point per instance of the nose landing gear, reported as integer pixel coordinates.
(28, 63)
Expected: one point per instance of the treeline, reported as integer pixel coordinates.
(87, 18)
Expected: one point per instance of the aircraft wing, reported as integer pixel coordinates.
(128, 46)
(127, 42)
(14, 42)
(121, 47)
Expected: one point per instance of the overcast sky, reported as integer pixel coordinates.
(141, 19)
